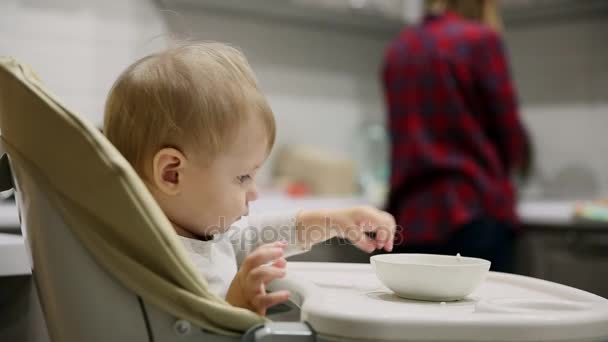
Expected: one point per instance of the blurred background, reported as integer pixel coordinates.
(318, 62)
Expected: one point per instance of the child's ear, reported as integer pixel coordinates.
(168, 167)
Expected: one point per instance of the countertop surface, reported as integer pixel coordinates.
(552, 213)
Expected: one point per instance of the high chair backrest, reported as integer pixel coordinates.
(107, 265)
(81, 302)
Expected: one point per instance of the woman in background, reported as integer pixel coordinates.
(456, 134)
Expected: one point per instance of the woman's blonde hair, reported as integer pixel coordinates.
(484, 11)
(192, 97)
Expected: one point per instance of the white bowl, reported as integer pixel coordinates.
(430, 277)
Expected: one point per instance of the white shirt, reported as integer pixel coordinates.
(218, 259)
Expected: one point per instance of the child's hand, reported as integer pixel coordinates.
(353, 223)
(248, 288)
(350, 223)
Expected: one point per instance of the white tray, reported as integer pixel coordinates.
(347, 301)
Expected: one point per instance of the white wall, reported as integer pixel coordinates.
(571, 150)
(78, 47)
(561, 70)
(561, 61)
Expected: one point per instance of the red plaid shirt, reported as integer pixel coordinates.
(455, 130)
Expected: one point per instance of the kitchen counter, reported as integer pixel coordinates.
(554, 214)
(546, 213)
(550, 213)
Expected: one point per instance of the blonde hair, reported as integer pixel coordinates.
(191, 97)
(484, 11)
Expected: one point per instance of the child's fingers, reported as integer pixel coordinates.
(263, 302)
(392, 226)
(280, 243)
(389, 245)
(385, 230)
(365, 244)
(382, 235)
(361, 240)
(381, 223)
(276, 244)
(390, 222)
(261, 256)
(280, 263)
(265, 274)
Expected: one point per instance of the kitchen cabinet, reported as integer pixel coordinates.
(369, 17)
(573, 255)
(380, 17)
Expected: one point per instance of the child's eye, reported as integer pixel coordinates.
(244, 178)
